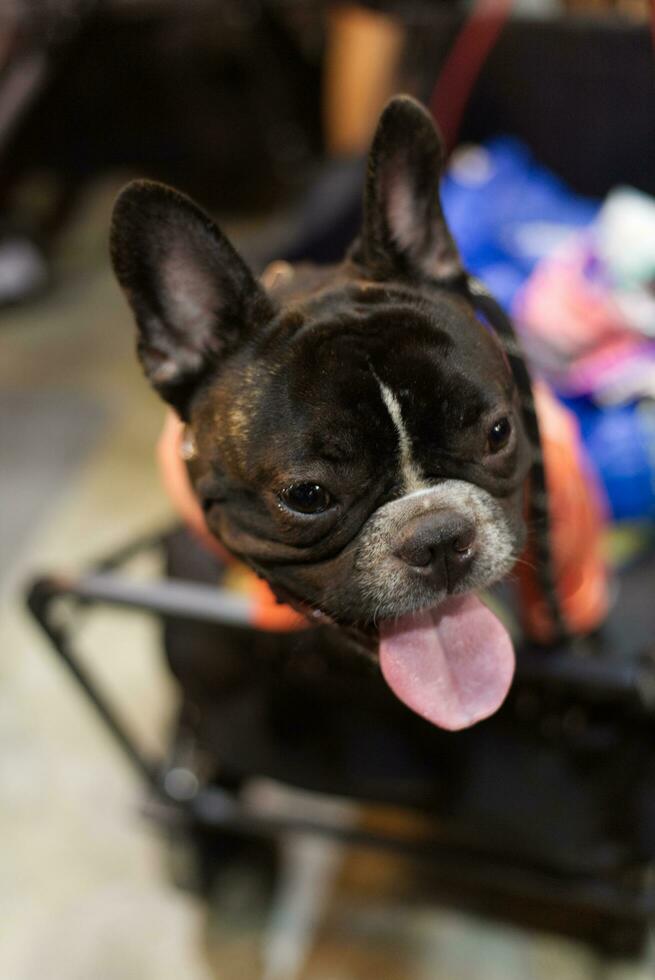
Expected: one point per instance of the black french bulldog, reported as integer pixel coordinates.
(357, 435)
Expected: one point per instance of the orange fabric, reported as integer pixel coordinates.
(178, 486)
(268, 613)
(577, 526)
(578, 517)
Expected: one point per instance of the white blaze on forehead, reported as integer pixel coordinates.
(411, 474)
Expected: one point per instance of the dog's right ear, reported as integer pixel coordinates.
(404, 230)
(193, 296)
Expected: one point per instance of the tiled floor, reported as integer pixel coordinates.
(85, 889)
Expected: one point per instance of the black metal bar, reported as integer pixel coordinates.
(149, 541)
(39, 600)
(167, 597)
(218, 809)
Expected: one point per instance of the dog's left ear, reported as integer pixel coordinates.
(194, 298)
(404, 230)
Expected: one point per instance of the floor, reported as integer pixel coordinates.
(86, 889)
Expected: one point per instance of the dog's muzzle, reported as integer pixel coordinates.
(447, 539)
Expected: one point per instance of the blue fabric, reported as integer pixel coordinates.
(620, 440)
(506, 212)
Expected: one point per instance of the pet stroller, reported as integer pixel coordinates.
(549, 805)
(545, 812)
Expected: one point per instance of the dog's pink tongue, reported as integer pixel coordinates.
(453, 665)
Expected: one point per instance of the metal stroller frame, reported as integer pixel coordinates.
(620, 905)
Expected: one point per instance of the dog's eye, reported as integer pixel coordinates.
(499, 434)
(306, 498)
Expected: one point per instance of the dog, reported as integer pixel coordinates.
(357, 434)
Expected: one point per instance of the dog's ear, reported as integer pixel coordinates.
(193, 296)
(404, 230)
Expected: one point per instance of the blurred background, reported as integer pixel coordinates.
(262, 110)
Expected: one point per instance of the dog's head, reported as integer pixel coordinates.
(356, 431)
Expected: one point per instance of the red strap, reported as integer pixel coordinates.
(464, 63)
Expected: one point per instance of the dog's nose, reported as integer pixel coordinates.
(439, 545)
